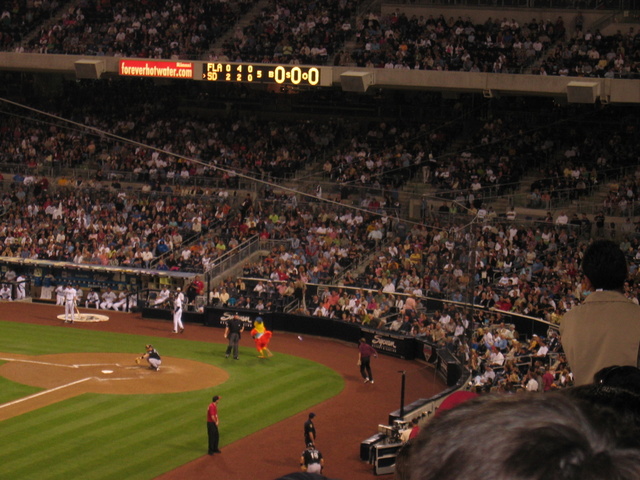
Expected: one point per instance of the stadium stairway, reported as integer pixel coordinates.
(240, 25)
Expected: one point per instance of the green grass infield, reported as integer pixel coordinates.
(96, 436)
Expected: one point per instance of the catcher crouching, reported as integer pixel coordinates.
(151, 356)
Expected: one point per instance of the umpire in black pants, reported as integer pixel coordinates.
(232, 333)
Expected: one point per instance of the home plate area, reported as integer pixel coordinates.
(114, 373)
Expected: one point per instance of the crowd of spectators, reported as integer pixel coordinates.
(19, 18)
(249, 144)
(315, 33)
(385, 156)
(94, 223)
(86, 224)
(591, 157)
(513, 267)
(491, 165)
(293, 31)
(592, 54)
(382, 154)
(300, 32)
(151, 29)
(435, 43)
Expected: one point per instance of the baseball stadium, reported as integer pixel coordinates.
(399, 194)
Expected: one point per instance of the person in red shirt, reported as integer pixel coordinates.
(504, 304)
(212, 425)
(195, 288)
(548, 380)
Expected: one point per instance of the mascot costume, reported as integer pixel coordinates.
(261, 336)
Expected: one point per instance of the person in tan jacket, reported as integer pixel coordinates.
(605, 329)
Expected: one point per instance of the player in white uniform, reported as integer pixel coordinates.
(162, 297)
(93, 299)
(5, 292)
(59, 295)
(178, 301)
(69, 304)
(122, 301)
(108, 298)
(21, 289)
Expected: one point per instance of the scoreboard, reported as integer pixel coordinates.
(298, 75)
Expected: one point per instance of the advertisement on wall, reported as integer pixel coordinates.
(155, 69)
(219, 317)
(391, 344)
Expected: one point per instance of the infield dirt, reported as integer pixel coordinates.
(67, 375)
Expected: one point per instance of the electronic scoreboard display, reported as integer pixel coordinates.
(299, 75)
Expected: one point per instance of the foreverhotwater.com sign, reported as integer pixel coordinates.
(146, 68)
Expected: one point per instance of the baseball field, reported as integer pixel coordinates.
(74, 404)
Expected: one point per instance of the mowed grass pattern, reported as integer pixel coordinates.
(95, 436)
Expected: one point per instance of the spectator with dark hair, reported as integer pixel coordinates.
(617, 389)
(548, 437)
(616, 376)
(605, 330)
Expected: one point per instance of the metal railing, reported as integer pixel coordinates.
(232, 258)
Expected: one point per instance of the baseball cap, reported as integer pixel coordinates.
(311, 415)
(215, 398)
(309, 444)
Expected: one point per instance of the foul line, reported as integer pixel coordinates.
(60, 364)
(44, 392)
(37, 362)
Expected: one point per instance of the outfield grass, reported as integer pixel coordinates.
(96, 436)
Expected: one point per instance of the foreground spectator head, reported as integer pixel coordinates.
(615, 394)
(605, 265)
(619, 376)
(524, 437)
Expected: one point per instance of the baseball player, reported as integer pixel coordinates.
(311, 460)
(60, 295)
(122, 301)
(5, 292)
(151, 356)
(69, 303)
(21, 290)
(93, 299)
(162, 297)
(132, 301)
(178, 301)
(108, 298)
